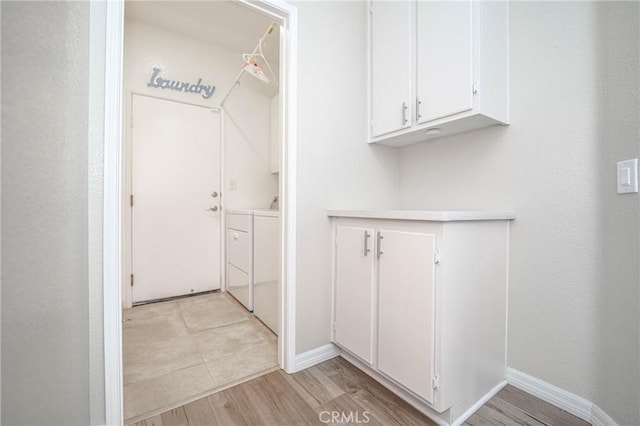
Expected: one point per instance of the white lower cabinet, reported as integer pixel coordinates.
(406, 314)
(422, 305)
(354, 296)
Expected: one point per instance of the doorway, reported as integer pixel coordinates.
(114, 196)
(175, 225)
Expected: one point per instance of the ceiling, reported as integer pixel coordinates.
(224, 23)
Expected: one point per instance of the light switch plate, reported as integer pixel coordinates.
(628, 176)
(233, 184)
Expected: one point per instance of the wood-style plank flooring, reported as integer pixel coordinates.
(311, 396)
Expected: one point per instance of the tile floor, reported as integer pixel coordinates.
(178, 351)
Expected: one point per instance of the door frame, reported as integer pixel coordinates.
(284, 14)
(127, 173)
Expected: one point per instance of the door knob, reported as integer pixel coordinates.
(214, 194)
(212, 208)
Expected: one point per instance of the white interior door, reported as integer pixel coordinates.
(175, 237)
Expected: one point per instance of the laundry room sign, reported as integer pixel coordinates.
(159, 82)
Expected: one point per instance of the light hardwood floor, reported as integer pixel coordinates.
(310, 396)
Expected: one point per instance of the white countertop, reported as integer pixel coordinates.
(256, 212)
(426, 215)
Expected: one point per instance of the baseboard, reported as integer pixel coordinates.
(565, 400)
(316, 356)
(475, 407)
(554, 395)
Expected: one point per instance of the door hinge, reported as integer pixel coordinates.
(435, 382)
(334, 326)
(131, 200)
(131, 280)
(436, 257)
(371, 9)
(475, 87)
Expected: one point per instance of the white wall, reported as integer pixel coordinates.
(247, 125)
(45, 292)
(247, 156)
(617, 29)
(97, 38)
(573, 298)
(336, 168)
(180, 58)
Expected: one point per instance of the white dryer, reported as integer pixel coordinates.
(266, 266)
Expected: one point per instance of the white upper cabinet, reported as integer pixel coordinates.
(391, 58)
(450, 60)
(444, 80)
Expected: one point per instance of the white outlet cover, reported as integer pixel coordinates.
(627, 176)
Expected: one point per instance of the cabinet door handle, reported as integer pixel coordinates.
(404, 113)
(418, 103)
(379, 245)
(366, 242)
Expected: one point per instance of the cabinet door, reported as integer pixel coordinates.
(406, 315)
(445, 59)
(353, 309)
(391, 60)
